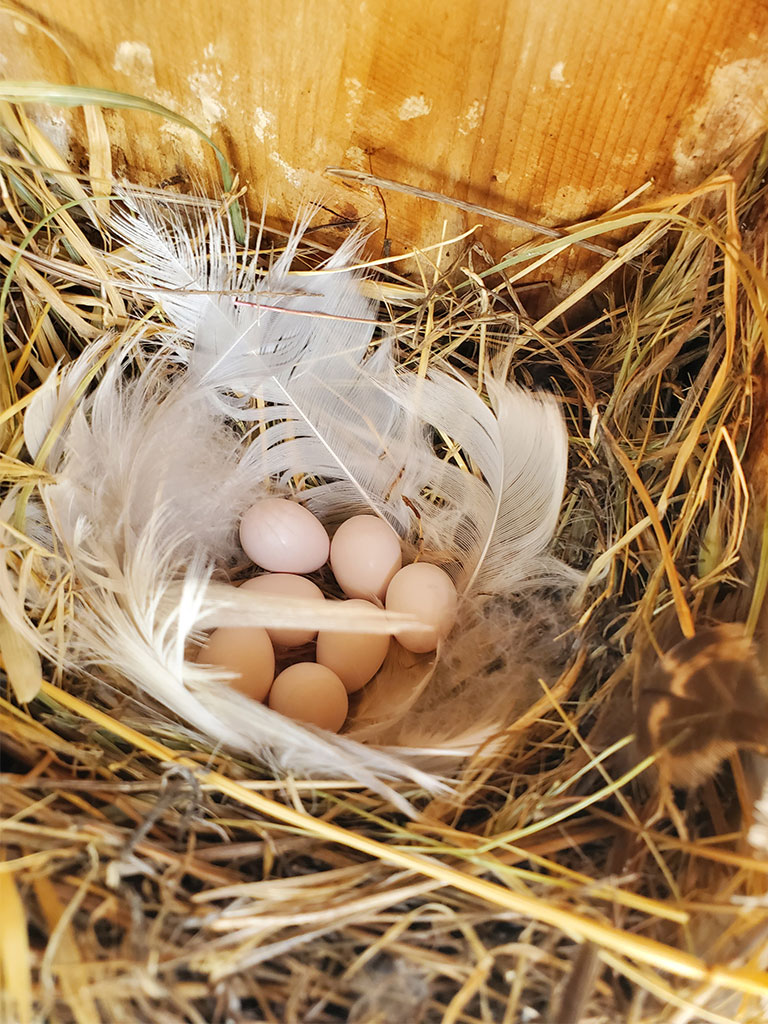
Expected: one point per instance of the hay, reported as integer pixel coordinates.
(147, 877)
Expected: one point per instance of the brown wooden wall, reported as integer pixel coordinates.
(549, 109)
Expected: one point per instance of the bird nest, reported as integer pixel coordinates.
(600, 853)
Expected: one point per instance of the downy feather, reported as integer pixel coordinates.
(235, 401)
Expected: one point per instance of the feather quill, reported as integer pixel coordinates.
(151, 474)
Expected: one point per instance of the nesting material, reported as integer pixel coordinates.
(265, 387)
(170, 851)
(287, 584)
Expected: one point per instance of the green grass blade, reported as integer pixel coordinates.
(81, 96)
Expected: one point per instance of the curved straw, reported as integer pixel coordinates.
(83, 95)
(636, 947)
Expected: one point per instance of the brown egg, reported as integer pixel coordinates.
(310, 693)
(285, 584)
(354, 657)
(428, 593)
(245, 650)
(365, 555)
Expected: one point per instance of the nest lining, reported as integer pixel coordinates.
(152, 876)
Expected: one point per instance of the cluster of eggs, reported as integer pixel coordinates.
(288, 541)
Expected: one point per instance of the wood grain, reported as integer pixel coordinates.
(548, 110)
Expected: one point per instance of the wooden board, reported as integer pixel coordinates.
(548, 109)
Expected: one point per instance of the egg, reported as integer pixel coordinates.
(354, 657)
(283, 536)
(426, 592)
(310, 693)
(285, 584)
(365, 555)
(246, 651)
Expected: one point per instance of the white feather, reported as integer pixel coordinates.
(151, 477)
(525, 464)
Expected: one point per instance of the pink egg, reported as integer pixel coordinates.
(365, 555)
(354, 657)
(285, 584)
(310, 693)
(283, 536)
(246, 651)
(426, 592)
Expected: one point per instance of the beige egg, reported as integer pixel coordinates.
(310, 693)
(245, 650)
(365, 555)
(428, 593)
(354, 657)
(283, 536)
(285, 584)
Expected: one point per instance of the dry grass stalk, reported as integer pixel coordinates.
(162, 881)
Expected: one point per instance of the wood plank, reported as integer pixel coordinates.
(548, 110)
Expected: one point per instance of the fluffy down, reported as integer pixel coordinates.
(151, 470)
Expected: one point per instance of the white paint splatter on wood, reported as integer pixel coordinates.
(135, 59)
(733, 108)
(471, 118)
(414, 106)
(263, 124)
(291, 174)
(556, 74)
(206, 85)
